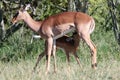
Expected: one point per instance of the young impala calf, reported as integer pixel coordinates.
(58, 25)
(69, 45)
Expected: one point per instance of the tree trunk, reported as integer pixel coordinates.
(111, 6)
(71, 5)
(2, 27)
(78, 5)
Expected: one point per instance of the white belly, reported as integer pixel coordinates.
(63, 29)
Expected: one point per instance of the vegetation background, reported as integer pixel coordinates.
(18, 55)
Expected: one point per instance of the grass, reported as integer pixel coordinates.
(18, 57)
(107, 70)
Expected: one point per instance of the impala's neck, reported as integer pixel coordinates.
(76, 40)
(34, 25)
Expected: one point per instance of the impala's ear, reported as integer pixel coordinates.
(27, 7)
(22, 8)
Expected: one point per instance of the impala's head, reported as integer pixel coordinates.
(19, 15)
(76, 36)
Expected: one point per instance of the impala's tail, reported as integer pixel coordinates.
(92, 26)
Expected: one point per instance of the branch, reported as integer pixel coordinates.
(11, 30)
(61, 8)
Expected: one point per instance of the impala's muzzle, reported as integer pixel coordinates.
(14, 18)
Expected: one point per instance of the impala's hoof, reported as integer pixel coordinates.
(94, 66)
(55, 71)
(46, 73)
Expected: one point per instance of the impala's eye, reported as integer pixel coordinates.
(16, 14)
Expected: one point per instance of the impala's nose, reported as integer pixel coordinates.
(13, 20)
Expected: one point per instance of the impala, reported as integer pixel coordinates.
(68, 44)
(58, 25)
(62, 42)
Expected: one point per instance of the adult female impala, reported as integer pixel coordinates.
(62, 42)
(58, 25)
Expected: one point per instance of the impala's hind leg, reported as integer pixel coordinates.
(77, 59)
(68, 59)
(54, 52)
(92, 47)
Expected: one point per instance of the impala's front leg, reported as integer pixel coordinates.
(49, 50)
(39, 58)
